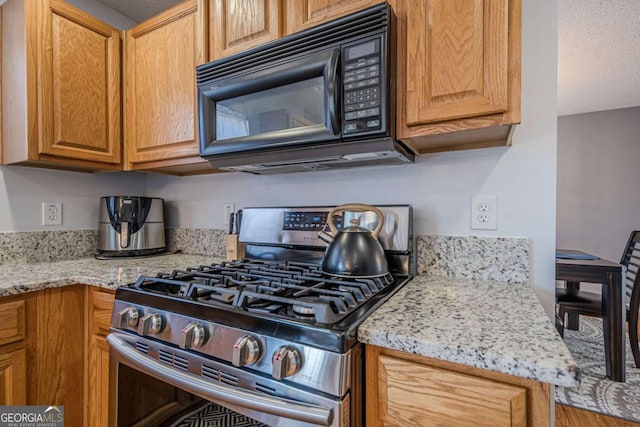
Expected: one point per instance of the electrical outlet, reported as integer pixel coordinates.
(229, 208)
(51, 213)
(484, 213)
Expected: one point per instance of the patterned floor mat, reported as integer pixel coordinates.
(213, 415)
(597, 393)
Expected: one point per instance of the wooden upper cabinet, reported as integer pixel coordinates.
(160, 89)
(458, 72)
(459, 52)
(61, 87)
(237, 25)
(302, 14)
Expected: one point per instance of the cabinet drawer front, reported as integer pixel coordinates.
(419, 395)
(12, 322)
(101, 307)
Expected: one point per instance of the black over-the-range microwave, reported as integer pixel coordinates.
(318, 99)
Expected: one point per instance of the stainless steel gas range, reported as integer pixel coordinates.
(269, 340)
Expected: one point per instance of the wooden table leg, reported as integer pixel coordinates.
(613, 326)
(573, 320)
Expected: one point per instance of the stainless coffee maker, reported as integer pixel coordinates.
(131, 226)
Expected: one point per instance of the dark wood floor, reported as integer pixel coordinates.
(567, 416)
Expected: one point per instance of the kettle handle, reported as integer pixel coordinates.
(356, 207)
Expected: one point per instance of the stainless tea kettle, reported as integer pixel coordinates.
(355, 251)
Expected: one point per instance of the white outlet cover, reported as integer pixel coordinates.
(484, 213)
(51, 213)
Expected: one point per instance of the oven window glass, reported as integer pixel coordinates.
(289, 106)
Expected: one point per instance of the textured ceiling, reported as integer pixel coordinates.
(598, 55)
(139, 10)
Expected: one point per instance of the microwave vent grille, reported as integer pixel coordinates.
(335, 32)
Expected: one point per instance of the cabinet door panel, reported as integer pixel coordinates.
(301, 14)
(456, 59)
(162, 54)
(13, 378)
(419, 395)
(80, 74)
(12, 321)
(238, 25)
(101, 306)
(98, 382)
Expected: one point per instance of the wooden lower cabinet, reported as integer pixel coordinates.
(98, 382)
(53, 351)
(13, 377)
(58, 370)
(16, 346)
(408, 390)
(100, 305)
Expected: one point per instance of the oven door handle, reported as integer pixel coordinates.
(219, 393)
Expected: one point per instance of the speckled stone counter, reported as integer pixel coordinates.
(26, 277)
(489, 325)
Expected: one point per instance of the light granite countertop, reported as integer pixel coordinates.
(489, 325)
(26, 277)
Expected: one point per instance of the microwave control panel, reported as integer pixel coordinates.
(363, 87)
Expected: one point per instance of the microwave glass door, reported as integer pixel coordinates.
(295, 105)
(289, 104)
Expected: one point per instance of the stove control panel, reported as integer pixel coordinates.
(307, 221)
(240, 348)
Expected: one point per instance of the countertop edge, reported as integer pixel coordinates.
(568, 377)
(473, 323)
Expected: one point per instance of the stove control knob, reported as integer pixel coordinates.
(150, 324)
(286, 362)
(128, 317)
(193, 336)
(246, 351)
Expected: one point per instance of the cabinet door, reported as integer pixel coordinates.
(100, 306)
(98, 415)
(412, 394)
(456, 64)
(237, 25)
(60, 349)
(160, 110)
(301, 14)
(13, 378)
(79, 73)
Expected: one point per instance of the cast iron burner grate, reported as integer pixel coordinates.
(290, 290)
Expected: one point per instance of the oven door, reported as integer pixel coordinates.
(272, 106)
(152, 384)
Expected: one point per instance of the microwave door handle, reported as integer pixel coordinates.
(332, 84)
(217, 392)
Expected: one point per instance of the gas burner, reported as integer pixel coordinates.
(287, 290)
(302, 309)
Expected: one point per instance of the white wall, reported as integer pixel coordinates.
(23, 189)
(439, 186)
(598, 176)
